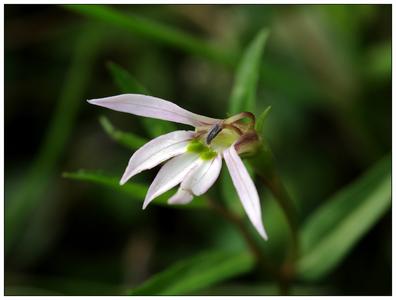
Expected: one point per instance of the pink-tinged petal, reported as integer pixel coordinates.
(245, 188)
(152, 107)
(157, 151)
(181, 197)
(199, 180)
(170, 175)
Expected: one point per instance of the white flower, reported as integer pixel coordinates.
(193, 158)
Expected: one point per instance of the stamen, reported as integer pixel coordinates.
(213, 133)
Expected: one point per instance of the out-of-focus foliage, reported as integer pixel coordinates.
(127, 139)
(325, 71)
(197, 273)
(330, 233)
(243, 94)
(128, 84)
(134, 191)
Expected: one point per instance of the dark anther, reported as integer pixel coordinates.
(213, 133)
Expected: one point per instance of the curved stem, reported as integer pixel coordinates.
(288, 266)
(279, 191)
(250, 241)
(264, 164)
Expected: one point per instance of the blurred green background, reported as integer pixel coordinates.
(326, 73)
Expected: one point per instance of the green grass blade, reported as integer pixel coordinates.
(135, 191)
(196, 273)
(331, 232)
(39, 174)
(129, 140)
(125, 81)
(243, 94)
(261, 119)
(154, 31)
(128, 84)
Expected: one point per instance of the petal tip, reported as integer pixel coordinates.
(123, 180)
(147, 201)
(262, 233)
(126, 176)
(144, 205)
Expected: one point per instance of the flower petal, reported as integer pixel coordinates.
(152, 107)
(181, 197)
(171, 174)
(203, 177)
(156, 151)
(197, 181)
(245, 188)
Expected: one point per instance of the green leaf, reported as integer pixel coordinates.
(196, 273)
(155, 31)
(243, 95)
(128, 84)
(125, 81)
(129, 140)
(377, 63)
(332, 231)
(261, 119)
(136, 191)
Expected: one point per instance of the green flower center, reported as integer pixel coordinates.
(205, 153)
(222, 141)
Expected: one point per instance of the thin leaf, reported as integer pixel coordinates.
(265, 289)
(196, 273)
(128, 84)
(125, 81)
(129, 140)
(135, 191)
(155, 31)
(261, 119)
(332, 231)
(243, 94)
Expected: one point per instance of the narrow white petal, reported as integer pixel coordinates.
(181, 197)
(170, 175)
(152, 107)
(203, 177)
(245, 188)
(157, 151)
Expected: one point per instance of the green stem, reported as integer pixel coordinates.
(281, 195)
(250, 241)
(265, 167)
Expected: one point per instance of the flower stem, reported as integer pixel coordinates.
(235, 220)
(264, 164)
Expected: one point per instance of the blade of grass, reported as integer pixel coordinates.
(261, 119)
(197, 272)
(243, 94)
(34, 184)
(128, 84)
(135, 191)
(332, 231)
(125, 81)
(129, 140)
(154, 31)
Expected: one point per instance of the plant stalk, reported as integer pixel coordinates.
(264, 162)
(235, 220)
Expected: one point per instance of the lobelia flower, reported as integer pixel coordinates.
(193, 158)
